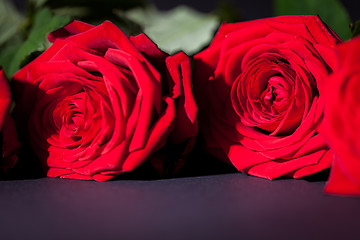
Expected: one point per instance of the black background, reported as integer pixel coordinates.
(246, 9)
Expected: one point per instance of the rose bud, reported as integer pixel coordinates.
(341, 121)
(98, 103)
(259, 91)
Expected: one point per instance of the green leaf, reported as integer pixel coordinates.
(44, 22)
(10, 21)
(7, 53)
(181, 28)
(332, 12)
(355, 28)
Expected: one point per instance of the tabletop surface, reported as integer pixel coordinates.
(223, 206)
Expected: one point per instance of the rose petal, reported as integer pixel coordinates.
(73, 28)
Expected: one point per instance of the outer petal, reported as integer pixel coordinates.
(185, 123)
(341, 121)
(340, 182)
(72, 28)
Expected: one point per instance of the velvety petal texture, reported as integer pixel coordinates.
(341, 121)
(9, 143)
(98, 103)
(259, 88)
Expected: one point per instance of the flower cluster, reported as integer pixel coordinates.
(274, 97)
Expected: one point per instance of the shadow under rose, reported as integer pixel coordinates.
(28, 165)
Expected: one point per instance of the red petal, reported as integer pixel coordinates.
(72, 28)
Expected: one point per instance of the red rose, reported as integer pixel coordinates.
(98, 103)
(341, 121)
(259, 91)
(8, 138)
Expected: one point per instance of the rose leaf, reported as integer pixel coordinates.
(181, 28)
(36, 42)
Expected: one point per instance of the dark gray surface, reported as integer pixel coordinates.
(228, 206)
